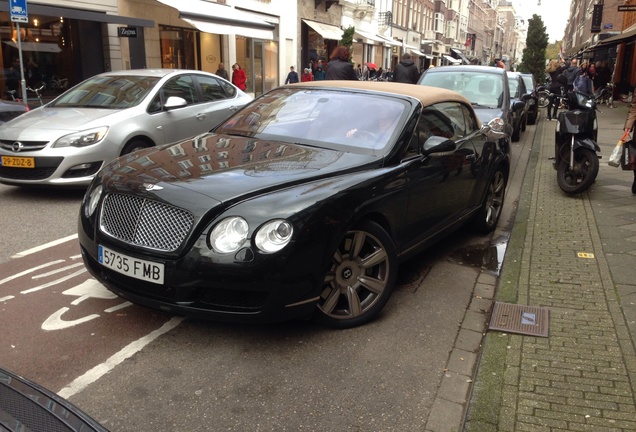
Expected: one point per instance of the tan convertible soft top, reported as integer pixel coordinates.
(427, 95)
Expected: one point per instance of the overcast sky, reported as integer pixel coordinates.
(554, 14)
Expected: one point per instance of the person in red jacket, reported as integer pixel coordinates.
(306, 76)
(238, 76)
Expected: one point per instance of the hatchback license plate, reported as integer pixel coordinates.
(18, 162)
(149, 271)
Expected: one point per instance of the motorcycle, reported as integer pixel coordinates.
(576, 156)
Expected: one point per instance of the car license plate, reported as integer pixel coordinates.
(149, 271)
(18, 162)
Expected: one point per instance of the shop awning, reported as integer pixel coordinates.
(420, 53)
(450, 59)
(368, 37)
(80, 14)
(626, 36)
(327, 31)
(388, 41)
(460, 55)
(36, 46)
(221, 19)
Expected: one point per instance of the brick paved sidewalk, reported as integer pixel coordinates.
(583, 376)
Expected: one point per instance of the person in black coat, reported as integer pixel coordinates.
(406, 71)
(340, 66)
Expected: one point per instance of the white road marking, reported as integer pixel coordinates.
(118, 307)
(44, 246)
(3, 299)
(55, 282)
(38, 276)
(31, 270)
(80, 383)
(55, 321)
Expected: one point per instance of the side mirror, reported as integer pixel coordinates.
(494, 130)
(174, 102)
(519, 106)
(437, 144)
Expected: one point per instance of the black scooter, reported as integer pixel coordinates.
(576, 156)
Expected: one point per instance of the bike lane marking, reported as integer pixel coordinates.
(59, 321)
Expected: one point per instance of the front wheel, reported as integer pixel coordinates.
(582, 174)
(544, 99)
(361, 278)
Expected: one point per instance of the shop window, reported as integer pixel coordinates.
(178, 48)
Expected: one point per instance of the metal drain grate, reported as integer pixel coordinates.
(523, 319)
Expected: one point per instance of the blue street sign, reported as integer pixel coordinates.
(18, 10)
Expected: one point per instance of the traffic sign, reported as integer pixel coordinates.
(18, 11)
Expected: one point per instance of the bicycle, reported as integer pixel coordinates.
(38, 92)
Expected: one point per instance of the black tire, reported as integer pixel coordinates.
(524, 121)
(361, 278)
(516, 134)
(532, 119)
(582, 175)
(134, 145)
(487, 217)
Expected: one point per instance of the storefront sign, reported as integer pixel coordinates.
(597, 18)
(127, 31)
(627, 8)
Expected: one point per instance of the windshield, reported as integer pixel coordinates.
(480, 88)
(114, 92)
(527, 80)
(336, 119)
(513, 85)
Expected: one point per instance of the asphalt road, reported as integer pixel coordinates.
(134, 369)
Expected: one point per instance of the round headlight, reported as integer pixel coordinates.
(229, 234)
(497, 124)
(93, 200)
(274, 235)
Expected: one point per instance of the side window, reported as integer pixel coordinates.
(230, 90)
(471, 121)
(181, 86)
(440, 120)
(211, 88)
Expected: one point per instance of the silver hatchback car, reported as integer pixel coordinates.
(68, 140)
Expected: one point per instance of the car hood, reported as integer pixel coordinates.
(228, 168)
(47, 119)
(486, 114)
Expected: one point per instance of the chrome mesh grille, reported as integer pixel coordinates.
(146, 223)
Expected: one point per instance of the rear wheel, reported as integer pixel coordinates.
(582, 174)
(488, 214)
(544, 99)
(361, 279)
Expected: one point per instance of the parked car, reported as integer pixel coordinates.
(27, 406)
(532, 100)
(485, 87)
(66, 141)
(300, 204)
(518, 105)
(10, 110)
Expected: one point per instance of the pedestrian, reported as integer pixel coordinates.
(557, 82)
(359, 72)
(292, 76)
(340, 66)
(238, 77)
(571, 72)
(583, 82)
(222, 72)
(306, 76)
(320, 73)
(406, 71)
(501, 64)
(630, 123)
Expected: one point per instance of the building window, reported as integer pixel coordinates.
(439, 23)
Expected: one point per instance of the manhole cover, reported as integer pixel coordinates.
(523, 319)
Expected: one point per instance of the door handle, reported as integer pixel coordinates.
(200, 116)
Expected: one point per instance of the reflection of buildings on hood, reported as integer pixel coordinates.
(212, 153)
